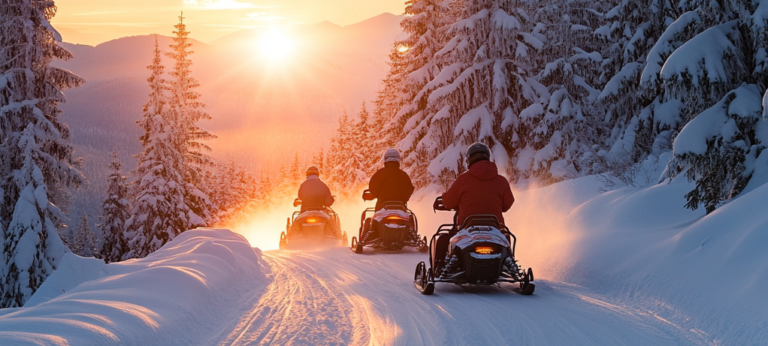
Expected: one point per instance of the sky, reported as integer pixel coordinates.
(95, 21)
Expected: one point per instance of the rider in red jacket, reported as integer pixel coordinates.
(481, 190)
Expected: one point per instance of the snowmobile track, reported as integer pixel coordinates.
(335, 297)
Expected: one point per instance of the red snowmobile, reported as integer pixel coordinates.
(480, 252)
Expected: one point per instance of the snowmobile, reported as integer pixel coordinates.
(480, 252)
(397, 228)
(312, 226)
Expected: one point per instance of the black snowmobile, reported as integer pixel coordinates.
(389, 229)
(311, 227)
(480, 252)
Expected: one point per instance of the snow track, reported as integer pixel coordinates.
(334, 297)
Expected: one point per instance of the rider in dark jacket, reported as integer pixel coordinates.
(390, 184)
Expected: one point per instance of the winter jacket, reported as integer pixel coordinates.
(390, 184)
(314, 194)
(481, 190)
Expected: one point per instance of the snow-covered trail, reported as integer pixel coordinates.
(336, 297)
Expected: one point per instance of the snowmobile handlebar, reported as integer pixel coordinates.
(367, 195)
(439, 205)
(296, 202)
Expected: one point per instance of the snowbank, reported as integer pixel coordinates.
(183, 292)
(704, 274)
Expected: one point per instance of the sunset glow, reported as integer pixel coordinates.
(92, 22)
(276, 45)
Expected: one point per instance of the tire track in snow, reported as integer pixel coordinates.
(335, 297)
(301, 308)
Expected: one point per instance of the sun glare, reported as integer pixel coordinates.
(276, 45)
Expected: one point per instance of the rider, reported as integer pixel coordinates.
(315, 195)
(480, 190)
(389, 184)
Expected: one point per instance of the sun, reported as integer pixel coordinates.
(275, 44)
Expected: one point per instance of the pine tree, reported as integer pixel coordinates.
(483, 87)
(159, 212)
(406, 90)
(37, 166)
(350, 159)
(296, 170)
(709, 62)
(366, 153)
(114, 214)
(561, 129)
(320, 160)
(84, 240)
(265, 188)
(631, 29)
(233, 189)
(186, 109)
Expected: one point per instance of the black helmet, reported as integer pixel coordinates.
(312, 170)
(478, 152)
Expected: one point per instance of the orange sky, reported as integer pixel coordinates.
(95, 21)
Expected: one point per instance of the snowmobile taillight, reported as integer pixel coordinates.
(311, 220)
(484, 250)
(396, 218)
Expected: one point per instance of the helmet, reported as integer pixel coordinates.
(312, 170)
(392, 155)
(478, 152)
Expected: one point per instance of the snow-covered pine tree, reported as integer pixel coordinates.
(319, 160)
(720, 146)
(159, 212)
(297, 171)
(114, 214)
(482, 88)
(348, 172)
(411, 68)
(408, 86)
(84, 242)
(335, 153)
(717, 73)
(266, 188)
(562, 129)
(187, 110)
(234, 188)
(633, 131)
(37, 166)
(385, 127)
(366, 150)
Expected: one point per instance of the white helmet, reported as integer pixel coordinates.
(392, 155)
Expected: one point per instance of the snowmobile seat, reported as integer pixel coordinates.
(394, 205)
(482, 220)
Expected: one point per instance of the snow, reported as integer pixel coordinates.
(175, 296)
(701, 273)
(666, 45)
(626, 266)
(703, 55)
(715, 120)
(622, 78)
